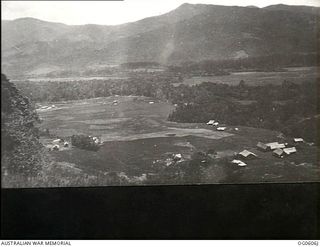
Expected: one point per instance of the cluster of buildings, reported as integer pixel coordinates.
(61, 144)
(279, 150)
(57, 144)
(216, 124)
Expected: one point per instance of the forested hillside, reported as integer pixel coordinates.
(21, 152)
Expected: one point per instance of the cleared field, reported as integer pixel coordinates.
(296, 75)
(131, 118)
(138, 140)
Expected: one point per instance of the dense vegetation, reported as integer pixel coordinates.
(144, 85)
(20, 149)
(290, 108)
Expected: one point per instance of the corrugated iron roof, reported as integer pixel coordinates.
(275, 145)
(247, 153)
(262, 145)
(290, 150)
(278, 152)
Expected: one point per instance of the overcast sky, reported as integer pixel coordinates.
(114, 12)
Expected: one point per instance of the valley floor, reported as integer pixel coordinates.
(139, 146)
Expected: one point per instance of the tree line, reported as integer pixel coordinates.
(274, 62)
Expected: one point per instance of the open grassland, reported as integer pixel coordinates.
(130, 118)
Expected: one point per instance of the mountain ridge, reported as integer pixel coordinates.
(189, 32)
(275, 7)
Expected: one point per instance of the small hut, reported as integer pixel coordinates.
(263, 147)
(298, 140)
(245, 154)
(239, 162)
(56, 141)
(177, 157)
(278, 153)
(289, 151)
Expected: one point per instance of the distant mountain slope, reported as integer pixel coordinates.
(191, 32)
(27, 30)
(295, 9)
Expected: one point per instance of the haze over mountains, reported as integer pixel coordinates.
(192, 32)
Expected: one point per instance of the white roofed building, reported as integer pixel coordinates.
(239, 162)
(275, 145)
(298, 140)
(291, 150)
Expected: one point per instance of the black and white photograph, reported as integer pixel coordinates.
(152, 93)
